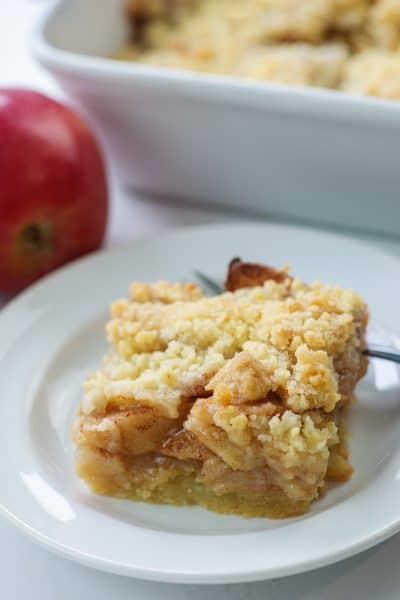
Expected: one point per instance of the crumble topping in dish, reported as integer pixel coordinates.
(374, 73)
(290, 41)
(234, 402)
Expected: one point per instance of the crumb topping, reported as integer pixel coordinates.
(288, 336)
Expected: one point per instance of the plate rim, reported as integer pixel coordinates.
(169, 576)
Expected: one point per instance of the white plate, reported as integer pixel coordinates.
(51, 336)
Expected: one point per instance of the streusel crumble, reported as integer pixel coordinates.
(352, 45)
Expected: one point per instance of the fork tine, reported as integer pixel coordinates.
(208, 283)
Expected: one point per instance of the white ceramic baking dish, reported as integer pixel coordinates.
(304, 153)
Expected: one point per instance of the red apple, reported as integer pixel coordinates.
(53, 187)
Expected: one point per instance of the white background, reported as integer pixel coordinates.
(30, 573)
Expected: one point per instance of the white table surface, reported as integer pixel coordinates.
(29, 572)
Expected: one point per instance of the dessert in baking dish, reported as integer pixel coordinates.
(352, 45)
(235, 402)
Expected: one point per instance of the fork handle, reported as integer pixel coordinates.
(378, 352)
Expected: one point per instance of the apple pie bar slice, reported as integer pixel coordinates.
(234, 402)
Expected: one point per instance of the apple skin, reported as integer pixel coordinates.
(53, 187)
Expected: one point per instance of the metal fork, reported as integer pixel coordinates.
(372, 350)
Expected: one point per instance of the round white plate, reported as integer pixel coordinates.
(52, 335)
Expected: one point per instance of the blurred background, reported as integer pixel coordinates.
(321, 158)
(131, 215)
